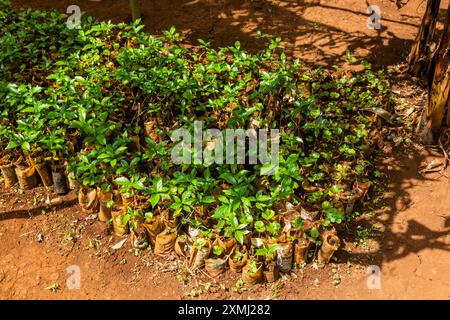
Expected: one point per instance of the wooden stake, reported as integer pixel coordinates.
(135, 9)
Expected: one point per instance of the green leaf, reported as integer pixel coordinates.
(268, 169)
(259, 226)
(239, 235)
(12, 145)
(154, 199)
(262, 198)
(246, 201)
(176, 205)
(101, 139)
(314, 232)
(159, 184)
(122, 181)
(223, 199)
(103, 156)
(139, 185)
(208, 200)
(25, 146)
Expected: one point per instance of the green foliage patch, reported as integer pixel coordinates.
(105, 98)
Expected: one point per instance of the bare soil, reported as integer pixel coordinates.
(405, 229)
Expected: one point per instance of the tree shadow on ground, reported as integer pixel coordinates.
(415, 236)
(36, 211)
(399, 237)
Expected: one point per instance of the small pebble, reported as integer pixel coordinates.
(40, 237)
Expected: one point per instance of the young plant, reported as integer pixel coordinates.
(269, 252)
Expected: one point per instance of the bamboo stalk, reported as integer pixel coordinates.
(135, 9)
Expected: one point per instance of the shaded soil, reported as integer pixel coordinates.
(317, 31)
(406, 232)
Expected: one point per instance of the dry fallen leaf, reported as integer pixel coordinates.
(91, 217)
(431, 167)
(119, 244)
(306, 215)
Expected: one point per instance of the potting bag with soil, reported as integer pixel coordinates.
(27, 177)
(9, 175)
(165, 242)
(88, 200)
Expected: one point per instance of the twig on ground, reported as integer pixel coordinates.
(446, 160)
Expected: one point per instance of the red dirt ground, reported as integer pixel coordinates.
(412, 250)
(411, 244)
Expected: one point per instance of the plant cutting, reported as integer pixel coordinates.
(165, 241)
(271, 266)
(361, 188)
(54, 150)
(88, 200)
(27, 133)
(183, 205)
(157, 192)
(61, 185)
(285, 256)
(132, 190)
(182, 245)
(301, 249)
(38, 152)
(139, 237)
(227, 244)
(8, 156)
(216, 263)
(120, 223)
(106, 202)
(199, 251)
(238, 259)
(252, 273)
(26, 175)
(154, 226)
(9, 174)
(330, 243)
(333, 214)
